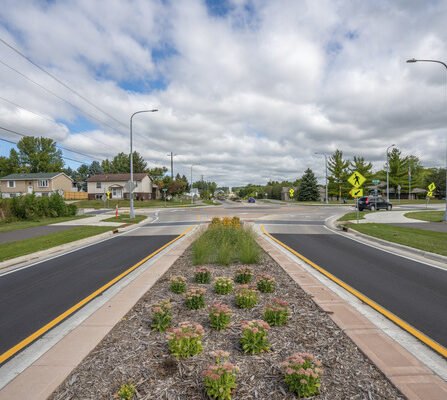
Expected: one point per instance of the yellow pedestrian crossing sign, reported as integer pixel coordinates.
(108, 194)
(356, 192)
(291, 192)
(431, 187)
(430, 194)
(356, 179)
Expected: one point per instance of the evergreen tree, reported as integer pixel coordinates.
(308, 189)
(360, 165)
(339, 173)
(95, 169)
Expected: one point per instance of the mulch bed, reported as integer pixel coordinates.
(131, 352)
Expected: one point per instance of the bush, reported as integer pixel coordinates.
(186, 340)
(126, 391)
(246, 297)
(254, 338)
(202, 275)
(244, 275)
(195, 298)
(223, 285)
(220, 378)
(266, 283)
(220, 316)
(276, 313)
(161, 315)
(178, 284)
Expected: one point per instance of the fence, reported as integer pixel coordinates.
(76, 196)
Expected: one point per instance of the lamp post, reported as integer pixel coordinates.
(132, 211)
(325, 159)
(388, 174)
(413, 60)
(192, 196)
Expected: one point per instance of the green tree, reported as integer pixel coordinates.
(308, 189)
(39, 155)
(339, 173)
(120, 164)
(398, 169)
(437, 176)
(95, 169)
(106, 166)
(360, 165)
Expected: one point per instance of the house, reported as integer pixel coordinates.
(40, 183)
(118, 186)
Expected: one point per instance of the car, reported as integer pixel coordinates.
(251, 200)
(373, 203)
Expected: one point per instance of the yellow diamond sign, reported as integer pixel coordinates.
(291, 192)
(430, 194)
(356, 179)
(356, 192)
(431, 187)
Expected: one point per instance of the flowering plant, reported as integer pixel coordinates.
(254, 338)
(244, 275)
(220, 378)
(161, 315)
(178, 284)
(246, 297)
(195, 298)
(277, 312)
(186, 340)
(266, 283)
(220, 316)
(223, 285)
(215, 221)
(126, 391)
(202, 275)
(302, 373)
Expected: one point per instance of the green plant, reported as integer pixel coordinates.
(195, 298)
(220, 378)
(266, 283)
(223, 285)
(178, 284)
(161, 315)
(254, 338)
(302, 372)
(220, 316)
(224, 254)
(243, 275)
(277, 312)
(186, 340)
(249, 252)
(202, 275)
(246, 297)
(126, 391)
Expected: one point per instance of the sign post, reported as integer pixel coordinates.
(164, 190)
(356, 180)
(431, 188)
(291, 193)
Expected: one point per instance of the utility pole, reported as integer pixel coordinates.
(171, 154)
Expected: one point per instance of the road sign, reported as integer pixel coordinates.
(356, 179)
(375, 181)
(432, 187)
(430, 194)
(291, 192)
(356, 192)
(108, 194)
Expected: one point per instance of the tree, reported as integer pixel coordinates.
(308, 189)
(120, 164)
(437, 176)
(106, 166)
(339, 172)
(39, 155)
(360, 165)
(95, 169)
(398, 169)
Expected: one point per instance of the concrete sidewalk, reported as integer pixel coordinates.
(389, 217)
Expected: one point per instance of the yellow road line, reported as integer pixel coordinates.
(25, 342)
(404, 325)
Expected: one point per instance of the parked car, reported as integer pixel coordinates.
(373, 203)
(251, 200)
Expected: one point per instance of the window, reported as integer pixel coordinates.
(43, 183)
(11, 184)
(98, 185)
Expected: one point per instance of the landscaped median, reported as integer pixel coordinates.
(216, 327)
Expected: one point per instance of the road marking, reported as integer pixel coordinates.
(25, 342)
(388, 314)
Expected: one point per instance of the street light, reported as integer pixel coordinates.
(192, 196)
(388, 174)
(413, 60)
(325, 158)
(132, 212)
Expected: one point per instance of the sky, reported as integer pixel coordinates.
(247, 90)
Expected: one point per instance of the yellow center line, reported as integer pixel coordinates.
(25, 342)
(388, 314)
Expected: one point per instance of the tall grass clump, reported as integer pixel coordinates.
(226, 242)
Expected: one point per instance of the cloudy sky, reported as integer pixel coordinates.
(248, 89)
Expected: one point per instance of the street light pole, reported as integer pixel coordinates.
(413, 60)
(325, 159)
(192, 196)
(132, 211)
(388, 174)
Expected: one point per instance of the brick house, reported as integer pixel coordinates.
(41, 184)
(118, 186)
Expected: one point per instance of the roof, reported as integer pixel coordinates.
(116, 177)
(37, 175)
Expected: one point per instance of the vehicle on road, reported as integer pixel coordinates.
(373, 203)
(251, 200)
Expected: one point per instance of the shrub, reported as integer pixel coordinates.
(246, 297)
(161, 315)
(302, 374)
(220, 378)
(220, 316)
(195, 298)
(126, 391)
(244, 275)
(202, 275)
(266, 283)
(276, 313)
(223, 285)
(254, 338)
(215, 221)
(186, 340)
(178, 284)
(236, 222)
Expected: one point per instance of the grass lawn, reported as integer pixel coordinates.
(125, 219)
(352, 216)
(125, 203)
(210, 203)
(27, 246)
(431, 216)
(15, 225)
(434, 242)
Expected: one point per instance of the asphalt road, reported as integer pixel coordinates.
(415, 292)
(32, 297)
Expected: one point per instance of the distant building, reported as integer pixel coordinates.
(41, 184)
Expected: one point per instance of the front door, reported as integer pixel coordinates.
(30, 189)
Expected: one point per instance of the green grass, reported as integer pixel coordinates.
(28, 246)
(125, 203)
(210, 203)
(430, 216)
(224, 245)
(15, 225)
(125, 219)
(352, 216)
(433, 242)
